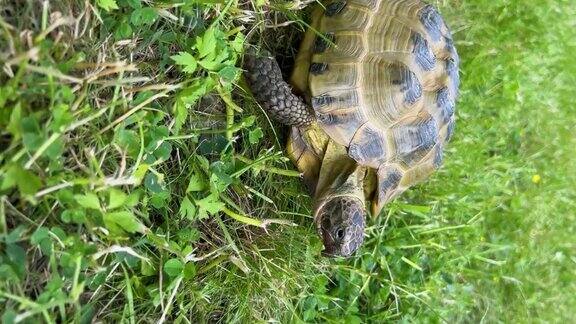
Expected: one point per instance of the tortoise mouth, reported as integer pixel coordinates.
(332, 253)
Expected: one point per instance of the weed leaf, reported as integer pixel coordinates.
(187, 209)
(196, 183)
(186, 60)
(173, 267)
(207, 43)
(255, 135)
(143, 16)
(89, 201)
(27, 182)
(124, 220)
(14, 124)
(107, 5)
(117, 198)
(209, 205)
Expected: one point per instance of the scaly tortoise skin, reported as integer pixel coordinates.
(379, 84)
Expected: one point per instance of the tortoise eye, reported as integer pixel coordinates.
(340, 233)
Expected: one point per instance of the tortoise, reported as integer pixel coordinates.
(371, 105)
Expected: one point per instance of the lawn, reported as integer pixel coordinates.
(140, 181)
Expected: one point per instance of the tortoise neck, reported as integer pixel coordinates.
(339, 176)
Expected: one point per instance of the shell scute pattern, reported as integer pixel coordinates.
(323, 100)
(335, 8)
(414, 138)
(318, 68)
(408, 82)
(368, 4)
(386, 89)
(452, 70)
(341, 125)
(419, 172)
(445, 104)
(450, 130)
(390, 40)
(438, 156)
(450, 49)
(322, 43)
(390, 177)
(348, 48)
(336, 77)
(432, 21)
(394, 90)
(368, 147)
(338, 17)
(423, 53)
(336, 100)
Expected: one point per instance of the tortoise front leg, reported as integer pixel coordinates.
(273, 93)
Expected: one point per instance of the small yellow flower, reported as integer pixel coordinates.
(536, 178)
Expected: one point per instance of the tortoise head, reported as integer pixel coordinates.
(340, 223)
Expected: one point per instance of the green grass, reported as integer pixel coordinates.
(135, 173)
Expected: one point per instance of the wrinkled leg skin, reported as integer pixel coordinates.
(273, 93)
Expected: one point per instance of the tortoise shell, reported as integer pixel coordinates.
(383, 80)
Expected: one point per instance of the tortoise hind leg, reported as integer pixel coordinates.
(273, 93)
